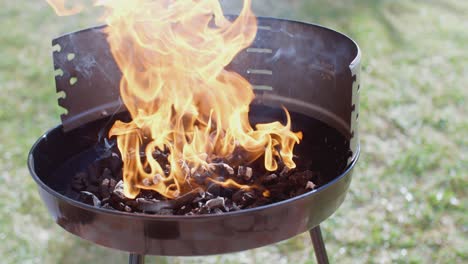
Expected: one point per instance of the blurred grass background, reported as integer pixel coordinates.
(408, 200)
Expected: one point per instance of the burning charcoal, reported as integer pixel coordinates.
(93, 188)
(150, 194)
(279, 158)
(155, 206)
(114, 163)
(151, 206)
(199, 178)
(157, 179)
(200, 205)
(284, 172)
(107, 206)
(259, 202)
(77, 186)
(79, 181)
(209, 196)
(94, 174)
(237, 156)
(131, 203)
(106, 173)
(112, 184)
(119, 190)
(217, 211)
(228, 168)
(186, 209)
(222, 168)
(216, 159)
(200, 174)
(89, 198)
(101, 185)
(229, 205)
(245, 172)
(310, 185)
(166, 211)
(301, 178)
(244, 198)
(298, 191)
(227, 191)
(234, 207)
(269, 178)
(147, 182)
(157, 154)
(193, 170)
(213, 188)
(279, 191)
(204, 210)
(200, 198)
(186, 198)
(184, 167)
(215, 203)
(105, 182)
(168, 168)
(105, 190)
(121, 206)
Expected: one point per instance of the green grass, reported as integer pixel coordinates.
(408, 199)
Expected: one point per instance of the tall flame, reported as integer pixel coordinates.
(181, 99)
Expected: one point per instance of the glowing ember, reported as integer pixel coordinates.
(181, 99)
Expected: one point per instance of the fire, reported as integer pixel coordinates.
(181, 99)
(61, 10)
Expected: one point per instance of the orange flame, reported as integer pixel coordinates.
(172, 55)
(61, 10)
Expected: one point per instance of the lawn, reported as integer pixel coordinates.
(408, 199)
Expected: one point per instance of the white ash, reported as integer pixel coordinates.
(221, 165)
(119, 190)
(245, 172)
(310, 185)
(157, 179)
(105, 182)
(91, 198)
(147, 182)
(217, 202)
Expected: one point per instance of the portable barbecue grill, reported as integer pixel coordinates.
(311, 70)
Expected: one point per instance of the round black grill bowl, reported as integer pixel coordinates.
(311, 70)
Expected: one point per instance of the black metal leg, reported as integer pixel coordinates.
(319, 246)
(136, 259)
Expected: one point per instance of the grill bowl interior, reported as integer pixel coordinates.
(57, 156)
